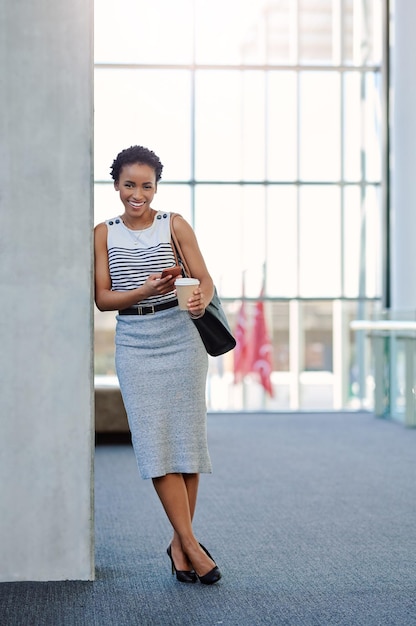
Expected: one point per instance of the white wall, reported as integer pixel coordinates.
(46, 400)
(403, 142)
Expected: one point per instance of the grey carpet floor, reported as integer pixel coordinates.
(311, 518)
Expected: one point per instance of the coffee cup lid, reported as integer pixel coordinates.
(187, 281)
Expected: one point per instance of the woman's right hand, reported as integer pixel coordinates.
(157, 286)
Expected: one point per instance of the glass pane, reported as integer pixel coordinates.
(175, 199)
(353, 264)
(316, 381)
(361, 359)
(223, 30)
(253, 127)
(229, 125)
(362, 126)
(315, 31)
(317, 324)
(373, 126)
(362, 31)
(352, 126)
(280, 333)
(218, 126)
(373, 253)
(375, 20)
(347, 31)
(320, 242)
(320, 144)
(281, 126)
(272, 35)
(232, 242)
(362, 243)
(282, 248)
(280, 35)
(130, 108)
(143, 32)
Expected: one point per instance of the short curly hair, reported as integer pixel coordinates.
(136, 154)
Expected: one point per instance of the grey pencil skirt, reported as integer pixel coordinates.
(162, 365)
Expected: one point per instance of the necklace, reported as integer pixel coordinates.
(136, 234)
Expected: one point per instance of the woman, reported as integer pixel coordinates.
(161, 362)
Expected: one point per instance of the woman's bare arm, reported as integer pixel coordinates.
(197, 267)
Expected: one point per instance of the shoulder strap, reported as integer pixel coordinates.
(176, 244)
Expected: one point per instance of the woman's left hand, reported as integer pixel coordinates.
(196, 304)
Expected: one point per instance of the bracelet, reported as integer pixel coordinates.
(197, 317)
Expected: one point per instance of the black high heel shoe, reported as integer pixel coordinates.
(184, 576)
(213, 575)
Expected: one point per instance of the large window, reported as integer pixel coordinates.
(269, 118)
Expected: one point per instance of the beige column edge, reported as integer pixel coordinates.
(46, 326)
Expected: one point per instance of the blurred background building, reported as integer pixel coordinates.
(270, 119)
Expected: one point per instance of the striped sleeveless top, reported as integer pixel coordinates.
(135, 254)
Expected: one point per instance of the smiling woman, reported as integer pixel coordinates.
(137, 188)
(154, 340)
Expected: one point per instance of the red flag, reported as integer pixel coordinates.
(261, 349)
(241, 349)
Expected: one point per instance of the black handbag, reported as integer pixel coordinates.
(213, 325)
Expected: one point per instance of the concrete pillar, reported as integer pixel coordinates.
(46, 374)
(403, 141)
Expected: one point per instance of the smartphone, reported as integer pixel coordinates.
(172, 271)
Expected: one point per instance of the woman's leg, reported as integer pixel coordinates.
(179, 505)
(179, 557)
(192, 484)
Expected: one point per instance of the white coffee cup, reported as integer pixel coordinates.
(184, 290)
